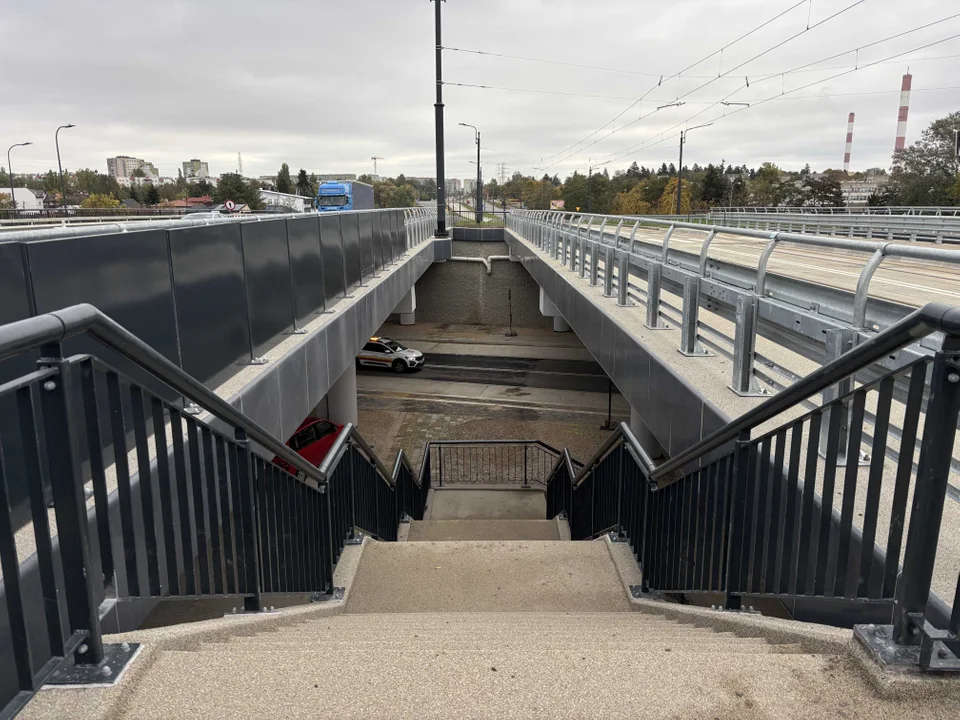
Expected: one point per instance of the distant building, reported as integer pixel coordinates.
(470, 186)
(25, 198)
(856, 193)
(336, 177)
(195, 169)
(123, 167)
(453, 186)
(293, 203)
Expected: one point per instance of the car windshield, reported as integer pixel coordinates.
(332, 200)
(393, 345)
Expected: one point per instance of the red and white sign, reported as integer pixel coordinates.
(230, 205)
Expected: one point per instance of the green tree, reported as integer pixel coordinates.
(199, 188)
(284, 183)
(714, 186)
(632, 202)
(233, 187)
(575, 193)
(304, 186)
(151, 196)
(926, 172)
(96, 200)
(767, 186)
(538, 194)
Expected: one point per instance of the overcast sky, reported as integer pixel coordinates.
(326, 85)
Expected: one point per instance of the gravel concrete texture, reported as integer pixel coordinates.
(453, 503)
(478, 576)
(424, 530)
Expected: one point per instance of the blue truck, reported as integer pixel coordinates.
(336, 196)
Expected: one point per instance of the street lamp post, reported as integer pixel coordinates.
(63, 191)
(438, 108)
(13, 198)
(479, 176)
(683, 138)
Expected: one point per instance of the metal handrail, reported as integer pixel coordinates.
(337, 450)
(932, 317)
(621, 433)
(54, 327)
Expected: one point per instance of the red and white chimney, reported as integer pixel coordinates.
(846, 151)
(904, 109)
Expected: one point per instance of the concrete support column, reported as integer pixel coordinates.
(408, 307)
(560, 325)
(646, 438)
(342, 397)
(548, 309)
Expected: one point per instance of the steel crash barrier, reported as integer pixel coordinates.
(738, 517)
(179, 509)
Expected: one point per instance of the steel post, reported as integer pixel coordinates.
(744, 345)
(249, 535)
(623, 281)
(653, 297)
(689, 344)
(736, 520)
(582, 252)
(595, 263)
(933, 474)
(608, 264)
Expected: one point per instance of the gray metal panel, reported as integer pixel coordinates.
(442, 249)
(294, 404)
(266, 267)
(332, 250)
(394, 232)
(126, 275)
(375, 235)
(686, 420)
(306, 266)
(317, 378)
(260, 401)
(350, 232)
(366, 244)
(662, 403)
(14, 305)
(210, 302)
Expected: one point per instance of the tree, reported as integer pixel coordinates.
(632, 202)
(824, 191)
(96, 200)
(151, 195)
(538, 194)
(304, 186)
(199, 188)
(575, 193)
(668, 200)
(233, 187)
(284, 183)
(926, 172)
(714, 187)
(5, 203)
(767, 186)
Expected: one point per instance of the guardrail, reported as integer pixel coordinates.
(748, 521)
(499, 462)
(917, 210)
(941, 228)
(202, 516)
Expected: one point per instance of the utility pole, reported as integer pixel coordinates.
(589, 183)
(683, 137)
(375, 158)
(438, 106)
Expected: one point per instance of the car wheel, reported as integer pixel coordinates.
(399, 366)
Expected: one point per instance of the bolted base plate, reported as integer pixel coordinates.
(702, 353)
(616, 537)
(116, 658)
(665, 326)
(296, 331)
(750, 393)
(258, 361)
(878, 640)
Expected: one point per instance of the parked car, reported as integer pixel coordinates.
(386, 353)
(312, 441)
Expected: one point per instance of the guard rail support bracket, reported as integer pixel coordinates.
(653, 298)
(836, 343)
(608, 262)
(689, 343)
(594, 264)
(623, 281)
(744, 344)
(582, 252)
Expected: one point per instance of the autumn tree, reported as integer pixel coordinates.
(668, 200)
(96, 200)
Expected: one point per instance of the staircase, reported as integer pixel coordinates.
(474, 617)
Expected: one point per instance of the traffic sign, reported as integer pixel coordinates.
(230, 205)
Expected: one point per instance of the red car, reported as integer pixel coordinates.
(312, 441)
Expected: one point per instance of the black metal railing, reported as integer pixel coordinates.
(177, 509)
(785, 515)
(491, 462)
(465, 216)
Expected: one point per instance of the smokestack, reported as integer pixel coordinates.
(904, 109)
(846, 151)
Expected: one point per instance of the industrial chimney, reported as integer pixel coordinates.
(904, 109)
(846, 151)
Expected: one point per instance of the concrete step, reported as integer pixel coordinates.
(494, 650)
(466, 503)
(483, 530)
(523, 683)
(487, 576)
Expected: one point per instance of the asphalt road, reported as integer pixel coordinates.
(518, 372)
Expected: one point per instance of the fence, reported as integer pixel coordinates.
(498, 462)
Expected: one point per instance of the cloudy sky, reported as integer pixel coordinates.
(326, 85)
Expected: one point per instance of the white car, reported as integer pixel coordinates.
(383, 352)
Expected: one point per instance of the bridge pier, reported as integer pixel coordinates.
(550, 310)
(342, 398)
(408, 307)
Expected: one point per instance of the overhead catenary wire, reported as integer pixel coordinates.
(711, 81)
(805, 65)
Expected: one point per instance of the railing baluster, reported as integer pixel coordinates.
(775, 525)
(249, 532)
(841, 586)
(146, 490)
(227, 514)
(740, 503)
(786, 577)
(868, 584)
(216, 562)
(187, 557)
(166, 496)
(124, 495)
(804, 579)
(836, 412)
(91, 415)
(198, 515)
(35, 477)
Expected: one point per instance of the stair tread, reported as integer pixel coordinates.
(486, 529)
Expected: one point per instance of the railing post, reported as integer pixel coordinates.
(250, 535)
(609, 260)
(744, 344)
(63, 463)
(836, 343)
(623, 281)
(933, 474)
(737, 492)
(653, 297)
(439, 464)
(326, 518)
(595, 263)
(582, 252)
(689, 344)
(526, 481)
